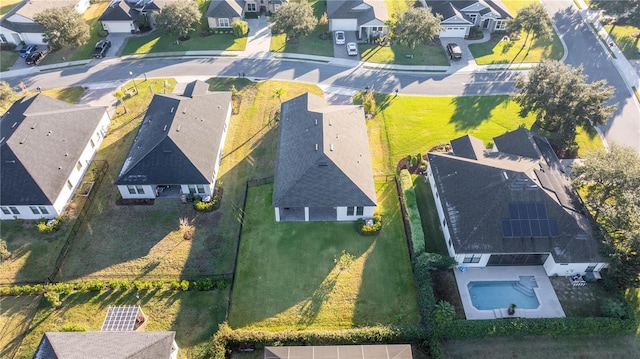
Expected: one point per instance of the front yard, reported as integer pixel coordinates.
(158, 42)
(629, 45)
(497, 51)
(421, 55)
(287, 276)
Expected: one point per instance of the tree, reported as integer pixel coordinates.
(533, 19)
(628, 9)
(295, 19)
(323, 23)
(120, 95)
(7, 96)
(179, 18)
(279, 92)
(63, 26)
(416, 26)
(561, 99)
(611, 183)
(240, 28)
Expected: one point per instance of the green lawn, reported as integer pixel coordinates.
(287, 277)
(193, 315)
(15, 315)
(7, 5)
(396, 54)
(398, 6)
(7, 59)
(497, 51)
(66, 94)
(629, 45)
(434, 239)
(592, 347)
(158, 42)
(310, 45)
(85, 51)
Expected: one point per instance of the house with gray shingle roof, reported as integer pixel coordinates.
(120, 16)
(323, 165)
(179, 144)
(18, 25)
(512, 205)
(46, 146)
(222, 13)
(364, 17)
(107, 345)
(459, 16)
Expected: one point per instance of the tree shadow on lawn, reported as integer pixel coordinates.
(472, 111)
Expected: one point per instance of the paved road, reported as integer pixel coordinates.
(585, 49)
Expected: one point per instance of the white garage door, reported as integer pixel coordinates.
(117, 26)
(453, 32)
(343, 24)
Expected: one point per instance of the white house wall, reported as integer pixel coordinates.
(568, 269)
(341, 214)
(441, 217)
(343, 24)
(118, 26)
(149, 192)
(484, 259)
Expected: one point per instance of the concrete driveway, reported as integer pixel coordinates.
(21, 64)
(340, 51)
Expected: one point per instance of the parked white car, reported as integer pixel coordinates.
(352, 49)
(339, 36)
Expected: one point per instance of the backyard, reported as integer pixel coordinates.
(287, 276)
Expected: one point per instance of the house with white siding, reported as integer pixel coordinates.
(459, 16)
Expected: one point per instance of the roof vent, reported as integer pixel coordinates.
(316, 146)
(49, 133)
(172, 108)
(23, 140)
(316, 122)
(66, 155)
(505, 175)
(331, 147)
(167, 151)
(2, 139)
(59, 167)
(337, 135)
(178, 129)
(323, 164)
(165, 128)
(329, 122)
(34, 126)
(14, 125)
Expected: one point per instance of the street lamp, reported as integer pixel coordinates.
(134, 81)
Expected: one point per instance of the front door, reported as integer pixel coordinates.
(485, 24)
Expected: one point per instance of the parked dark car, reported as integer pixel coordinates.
(35, 57)
(455, 52)
(101, 48)
(27, 49)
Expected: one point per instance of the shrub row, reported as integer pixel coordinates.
(227, 337)
(48, 225)
(411, 204)
(369, 230)
(198, 205)
(539, 326)
(117, 284)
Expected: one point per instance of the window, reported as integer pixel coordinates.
(34, 209)
(5, 210)
(359, 211)
(444, 222)
(350, 211)
(276, 7)
(132, 189)
(137, 189)
(501, 25)
(43, 210)
(474, 258)
(78, 166)
(140, 189)
(251, 7)
(192, 189)
(69, 185)
(200, 188)
(223, 22)
(93, 145)
(450, 243)
(473, 17)
(14, 210)
(3, 39)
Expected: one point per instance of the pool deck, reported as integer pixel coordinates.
(549, 304)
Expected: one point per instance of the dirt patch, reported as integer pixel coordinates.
(445, 288)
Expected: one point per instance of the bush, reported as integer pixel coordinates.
(614, 308)
(174, 285)
(432, 261)
(72, 328)
(198, 205)
(221, 284)
(411, 205)
(203, 285)
(369, 230)
(4, 251)
(48, 225)
(53, 298)
(240, 28)
(184, 285)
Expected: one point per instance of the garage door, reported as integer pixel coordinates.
(343, 24)
(453, 32)
(117, 26)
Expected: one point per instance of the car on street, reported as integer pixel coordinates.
(101, 49)
(339, 36)
(27, 49)
(352, 49)
(35, 57)
(455, 52)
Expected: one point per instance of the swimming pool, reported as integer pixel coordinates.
(500, 294)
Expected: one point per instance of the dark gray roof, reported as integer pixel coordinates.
(363, 10)
(105, 345)
(224, 9)
(118, 11)
(468, 147)
(29, 9)
(476, 193)
(178, 140)
(451, 8)
(379, 351)
(323, 157)
(41, 141)
(517, 142)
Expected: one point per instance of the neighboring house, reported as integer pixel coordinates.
(459, 16)
(46, 146)
(107, 345)
(120, 16)
(512, 205)
(18, 26)
(268, 6)
(373, 351)
(323, 166)
(222, 13)
(179, 143)
(364, 17)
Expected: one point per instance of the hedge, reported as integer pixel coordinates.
(415, 223)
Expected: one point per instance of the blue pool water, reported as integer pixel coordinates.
(500, 294)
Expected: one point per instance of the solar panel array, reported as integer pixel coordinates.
(529, 219)
(120, 319)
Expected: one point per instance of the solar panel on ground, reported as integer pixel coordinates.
(120, 319)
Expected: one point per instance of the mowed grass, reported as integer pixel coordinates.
(66, 94)
(7, 59)
(540, 347)
(629, 45)
(15, 315)
(431, 55)
(158, 42)
(433, 236)
(287, 276)
(85, 51)
(311, 44)
(193, 315)
(7, 5)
